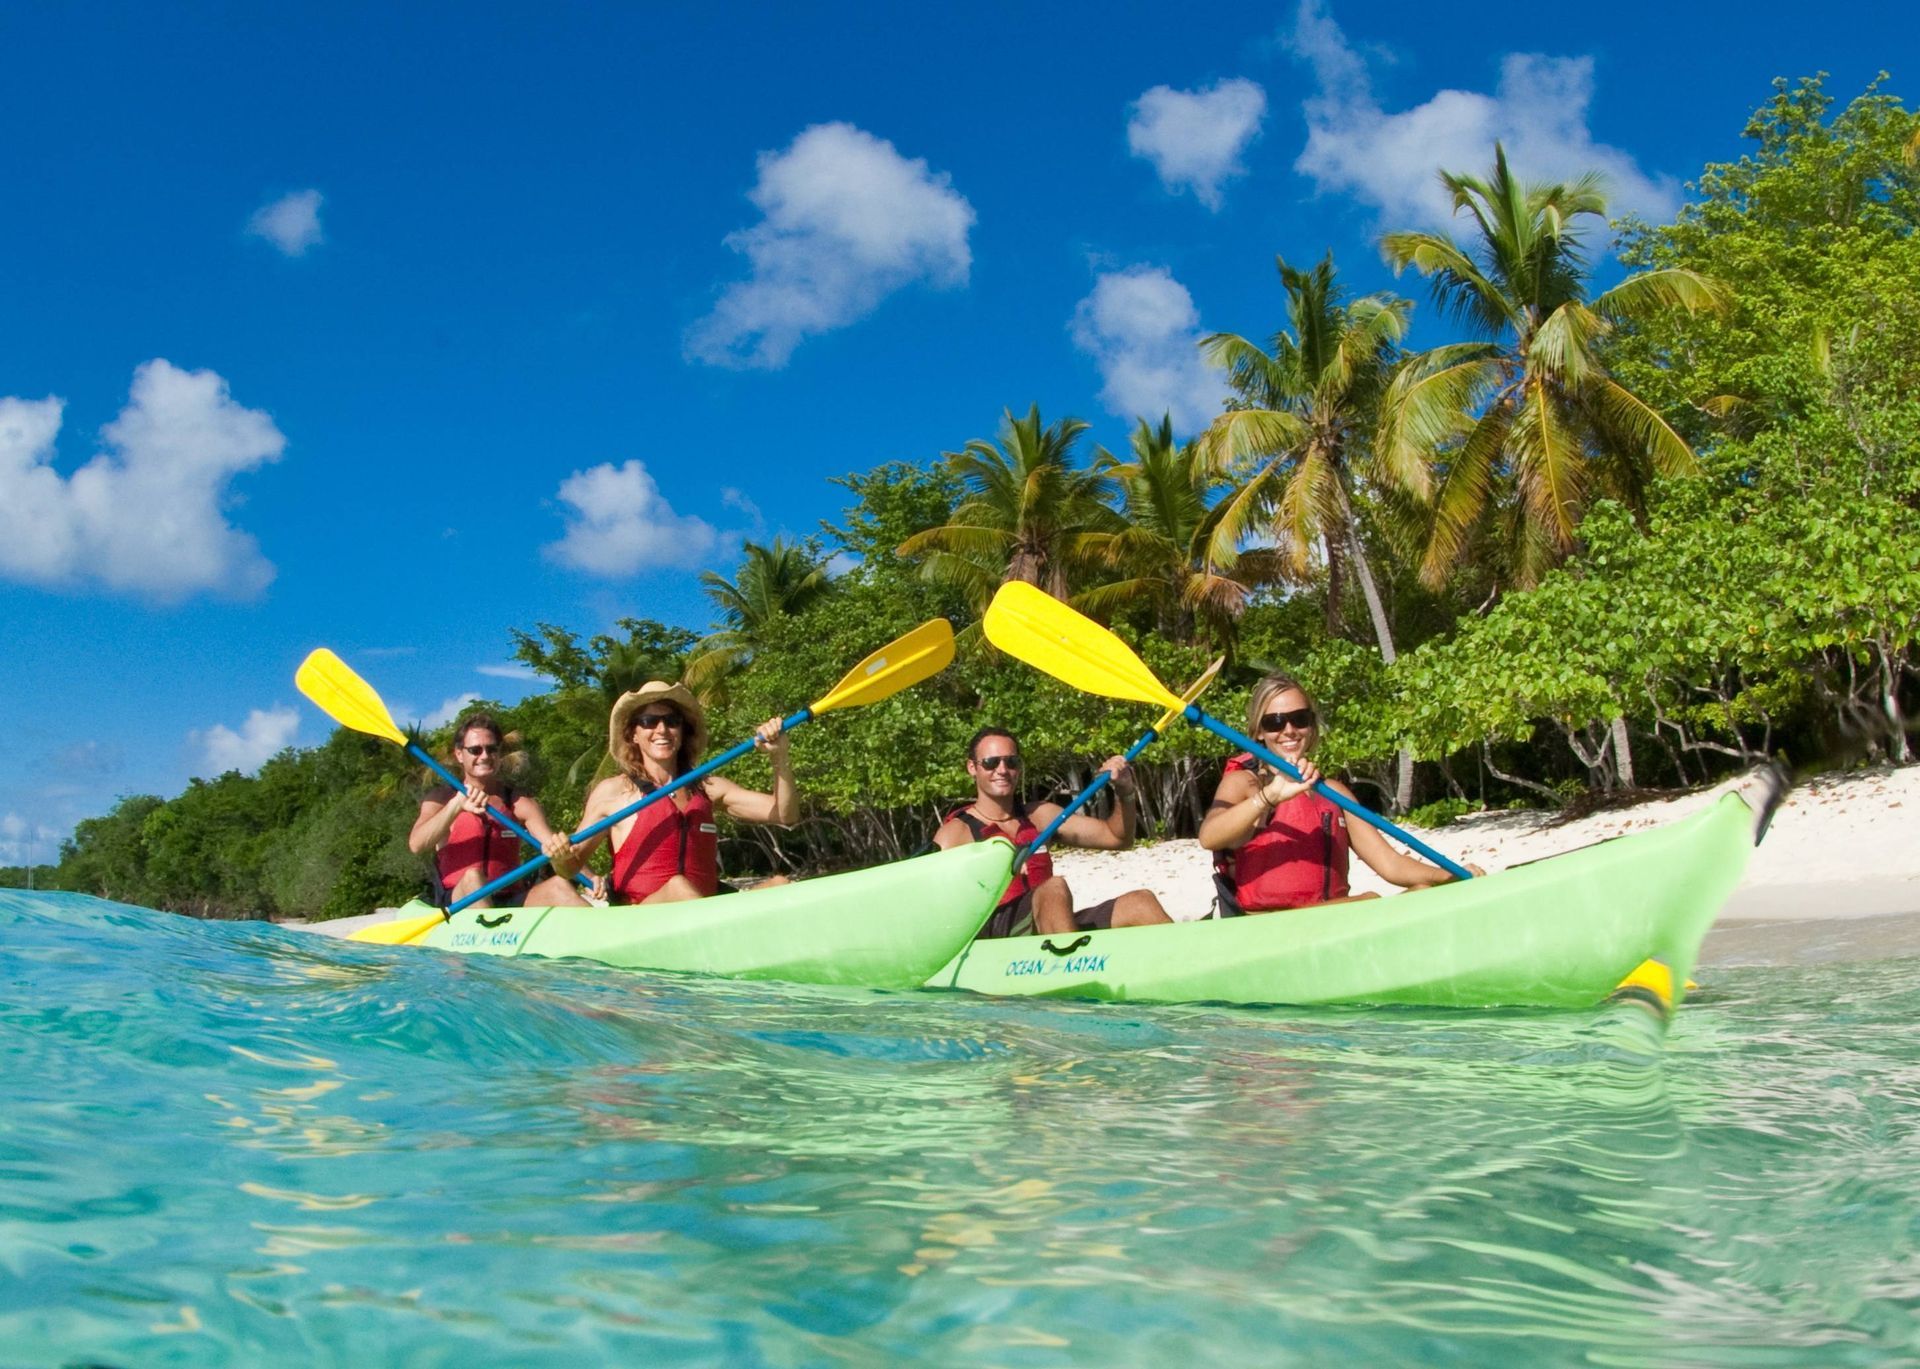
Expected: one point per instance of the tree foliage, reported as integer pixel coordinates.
(1761, 599)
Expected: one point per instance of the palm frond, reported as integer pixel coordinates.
(1562, 346)
(1234, 440)
(1629, 417)
(1549, 469)
(1462, 497)
(1429, 404)
(1655, 292)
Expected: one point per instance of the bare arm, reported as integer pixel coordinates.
(608, 796)
(567, 859)
(782, 806)
(438, 812)
(528, 812)
(1115, 831)
(1391, 864)
(1245, 800)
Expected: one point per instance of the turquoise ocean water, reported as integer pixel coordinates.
(236, 1144)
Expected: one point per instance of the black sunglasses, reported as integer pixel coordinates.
(649, 721)
(995, 762)
(480, 750)
(1302, 718)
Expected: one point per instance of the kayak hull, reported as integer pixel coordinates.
(886, 927)
(1556, 933)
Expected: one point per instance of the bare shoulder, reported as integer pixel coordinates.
(608, 791)
(1236, 785)
(952, 833)
(1043, 813)
(1340, 788)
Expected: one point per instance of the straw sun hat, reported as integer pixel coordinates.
(659, 691)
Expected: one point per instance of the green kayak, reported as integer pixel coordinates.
(1560, 932)
(886, 928)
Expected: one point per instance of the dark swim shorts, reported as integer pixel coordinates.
(1016, 918)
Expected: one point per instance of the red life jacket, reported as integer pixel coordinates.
(474, 840)
(665, 841)
(1298, 858)
(1034, 873)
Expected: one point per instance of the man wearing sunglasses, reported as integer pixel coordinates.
(471, 848)
(1039, 901)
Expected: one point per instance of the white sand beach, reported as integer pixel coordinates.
(1842, 847)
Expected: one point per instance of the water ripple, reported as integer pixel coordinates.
(236, 1144)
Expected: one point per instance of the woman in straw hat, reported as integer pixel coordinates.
(668, 851)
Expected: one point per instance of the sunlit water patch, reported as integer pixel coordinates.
(230, 1143)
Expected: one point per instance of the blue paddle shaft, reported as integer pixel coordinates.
(1199, 719)
(699, 772)
(499, 815)
(1099, 782)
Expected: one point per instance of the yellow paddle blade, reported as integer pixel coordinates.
(343, 696)
(907, 660)
(1194, 691)
(398, 932)
(1036, 627)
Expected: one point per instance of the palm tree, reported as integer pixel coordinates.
(773, 582)
(1527, 423)
(1163, 551)
(1299, 447)
(1026, 515)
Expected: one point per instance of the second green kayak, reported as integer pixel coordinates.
(886, 928)
(1560, 932)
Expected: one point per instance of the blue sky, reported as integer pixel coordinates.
(390, 328)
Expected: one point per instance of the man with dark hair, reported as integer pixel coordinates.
(1039, 901)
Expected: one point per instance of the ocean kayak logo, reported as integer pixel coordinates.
(485, 939)
(1073, 964)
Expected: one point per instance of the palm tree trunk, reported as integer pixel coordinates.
(1383, 634)
(1336, 584)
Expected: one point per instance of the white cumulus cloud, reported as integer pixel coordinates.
(619, 523)
(22, 842)
(1194, 138)
(1143, 332)
(448, 710)
(265, 733)
(845, 222)
(1392, 160)
(291, 223)
(147, 515)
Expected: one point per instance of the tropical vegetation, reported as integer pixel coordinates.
(1604, 539)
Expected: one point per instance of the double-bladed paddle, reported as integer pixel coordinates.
(1031, 624)
(1101, 780)
(905, 661)
(350, 701)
